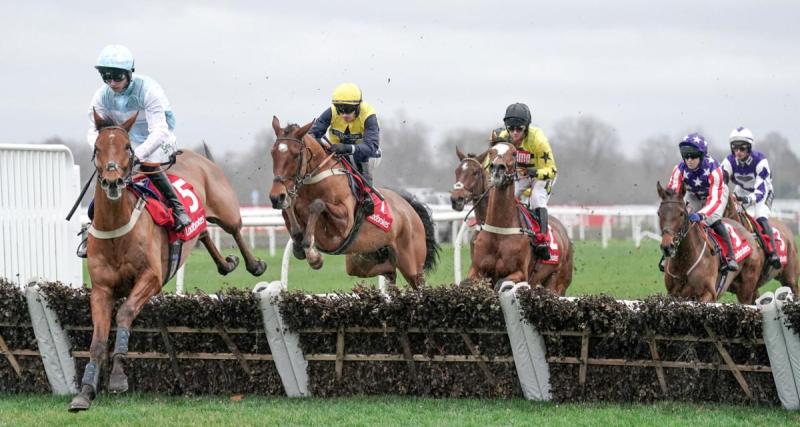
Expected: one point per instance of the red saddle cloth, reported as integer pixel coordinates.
(741, 248)
(162, 215)
(776, 243)
(381, 216)
(530, 223)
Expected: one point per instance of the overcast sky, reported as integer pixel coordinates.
(644, 67)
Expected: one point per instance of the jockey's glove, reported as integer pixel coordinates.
(343, 149)
(696, 217)
(747, 200)
(532, 171)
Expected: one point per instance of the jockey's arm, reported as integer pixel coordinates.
(714, 198)
(157, 127)
(762, 173)
(370, 141)
(545, 161)
(321, 124)
(675, 179)
(95, 105)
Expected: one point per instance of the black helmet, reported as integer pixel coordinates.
(517, 114)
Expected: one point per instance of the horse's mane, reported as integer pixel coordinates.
(104, 123)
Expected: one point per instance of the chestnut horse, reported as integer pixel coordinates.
(472, 184)
(691, 267)
(134, 264)
(786, 275)
(502, 249)
(312, 189)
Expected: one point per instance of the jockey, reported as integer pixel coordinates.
(706, 193)
(536, 167)
(751, 176)
(123, 94)
(352, 127)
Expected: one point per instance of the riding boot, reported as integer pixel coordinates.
(160, 180)
(769, 245)
(730, 262)
(542, 249)
(364, 169)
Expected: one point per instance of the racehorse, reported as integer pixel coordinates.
(472, 183)
(134, 263)
(321, 212)
(502, 249)
(691, 265)
(787, 274)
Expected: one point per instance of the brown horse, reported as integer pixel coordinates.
(690, 269)
(786, 275)
(312, 189)
(502, 249)
(134, 264)
(472, 183)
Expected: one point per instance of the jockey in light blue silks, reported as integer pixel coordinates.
(706, 193)
(121, 96)
(751, 177)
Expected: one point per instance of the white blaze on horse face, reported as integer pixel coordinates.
(282, 148)
(501, 149)
(464, 167)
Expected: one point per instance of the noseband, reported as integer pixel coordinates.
(299, 176)
(460, 185)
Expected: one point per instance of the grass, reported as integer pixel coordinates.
(620, 270)
(152, 411)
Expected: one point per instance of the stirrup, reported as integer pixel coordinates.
(774, 260)
(83, 246)
(661, 264)
(731, 265)
(182, 221)
(542, 252)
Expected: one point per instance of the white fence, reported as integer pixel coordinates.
(38, 184)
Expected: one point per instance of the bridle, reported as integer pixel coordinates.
(112, 166)
(677, 237)
(299, 179)
(510, 175)
(475, 195)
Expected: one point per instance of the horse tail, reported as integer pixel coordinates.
(207, 151)
(432, 248)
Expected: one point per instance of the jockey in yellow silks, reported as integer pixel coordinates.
(352, 128)
(536, 166)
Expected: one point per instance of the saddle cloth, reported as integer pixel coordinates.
(741, 248)
(162, 214)
(531, 224)
(381, 215)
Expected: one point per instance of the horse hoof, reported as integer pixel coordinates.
(82, 401)
(298, 252)
(259, 268)
(118, 383)
(230, 265)
(315, 262)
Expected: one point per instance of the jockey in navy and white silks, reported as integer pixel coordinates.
(751, 177)
(706, 193)
(123, 95)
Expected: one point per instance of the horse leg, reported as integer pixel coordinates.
(146, 286)
(102, 303)
(295, 232)
(313, 256)
(748, 278)
(254, 266)
(359, 265)
(224, 266)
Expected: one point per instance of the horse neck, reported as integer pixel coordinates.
(691, 246)
(109, 214)
(502, 207)
(317, 154)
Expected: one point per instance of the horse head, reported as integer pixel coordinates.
(673, 219)
(288, 162)
(470, 179)
(113, 155)
(503, 164)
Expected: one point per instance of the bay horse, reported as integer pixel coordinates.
(690, 268)
(502, 248)
(786, 275)
(472, 183)
(134, 264)
(312, 189)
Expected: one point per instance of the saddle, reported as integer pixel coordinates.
(741, 248)
(370, 203)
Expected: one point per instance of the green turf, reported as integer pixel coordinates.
(152, 411)
(620, 270)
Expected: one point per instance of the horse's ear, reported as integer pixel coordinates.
(459, 153)
(276, 126)
(98, 119)
(300, 133)
(129, 123)
(660, 190)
